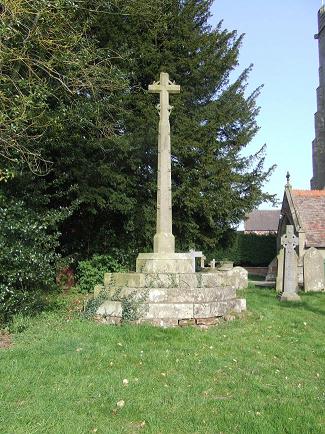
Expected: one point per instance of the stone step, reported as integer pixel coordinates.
(236, 278)
(173, 295)
(176, 311)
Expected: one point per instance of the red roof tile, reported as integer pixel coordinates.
(310, 205)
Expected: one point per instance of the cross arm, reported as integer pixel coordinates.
(157, 88)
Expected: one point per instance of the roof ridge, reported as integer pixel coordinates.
(308, 192)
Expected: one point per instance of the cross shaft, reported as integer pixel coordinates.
(164, 241)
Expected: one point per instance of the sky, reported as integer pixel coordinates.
(279, 41)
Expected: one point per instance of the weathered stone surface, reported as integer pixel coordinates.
(110, 308)
(229, 317)
(314, 279)
(239, 305)
(182, 295)
(207, 321)
(290, 278)
(169, 310)
(211, 280)
(177, 296)
(161, 280)
(188, 280)
(186, 322)
(164, 239)
(208, 310)
(279, 276)
(272, 270)
(121, 280)
(239, 278)
(171, 295)
(203, 295)
(235, 278)
(164, 263)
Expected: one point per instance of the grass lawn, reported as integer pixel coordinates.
(264, 373)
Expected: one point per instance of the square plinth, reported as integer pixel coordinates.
(164, 263)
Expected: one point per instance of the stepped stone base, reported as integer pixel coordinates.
(168, 299)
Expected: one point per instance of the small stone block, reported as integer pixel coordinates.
(120, 280)
(188, 280)
(161, 280)
(239, 305)
(169, 310)
(110, 308)
(207, 321)
(211, 280)
(186, 322)
(229, 317)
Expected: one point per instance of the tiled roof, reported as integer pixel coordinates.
(310, 205)
(262, 220)
(309, 193)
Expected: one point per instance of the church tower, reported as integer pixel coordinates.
(318, 180)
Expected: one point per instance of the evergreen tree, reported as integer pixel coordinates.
(102, 139)
(59, 106)
(214, 185)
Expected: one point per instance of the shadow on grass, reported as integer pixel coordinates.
(302, 305)
(307, 303)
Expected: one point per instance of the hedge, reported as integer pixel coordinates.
(249, 250)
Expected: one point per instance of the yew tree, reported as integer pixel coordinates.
(80, 73)
(212, 122)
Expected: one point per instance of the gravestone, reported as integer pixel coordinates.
(272, 270)
(290, 274)
(279, 274)
(313, 271)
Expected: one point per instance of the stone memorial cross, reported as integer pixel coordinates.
(164, 241)
(289, 241)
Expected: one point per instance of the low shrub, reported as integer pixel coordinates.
(91, 272)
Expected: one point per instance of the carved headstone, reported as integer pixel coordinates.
(279, 275)
(313, 271)
(272, 270)
(290, 278)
